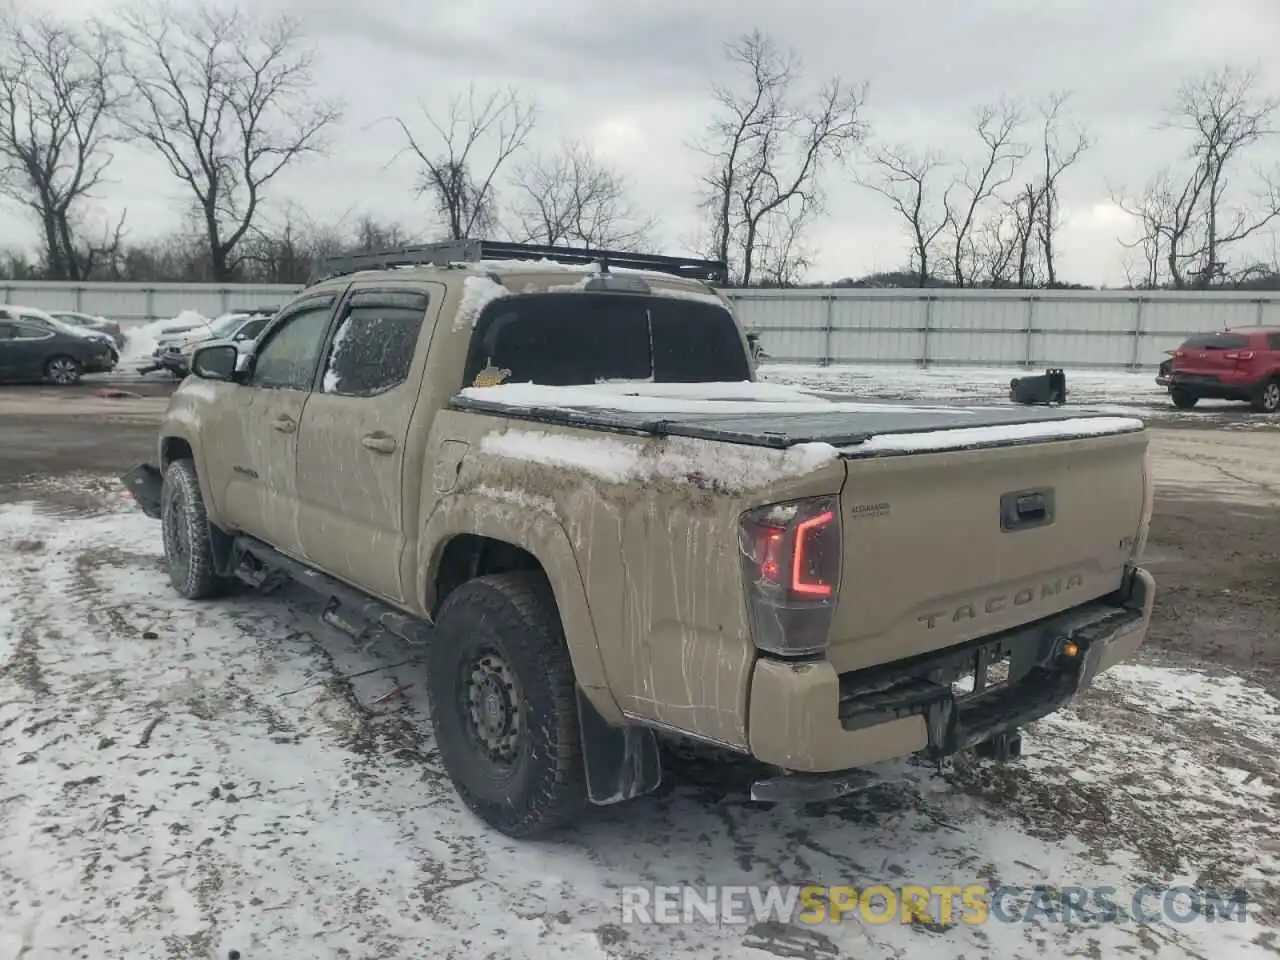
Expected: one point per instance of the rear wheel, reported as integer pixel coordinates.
(64, 371)
(1183, 399)
(503, 704)
(1267, 399)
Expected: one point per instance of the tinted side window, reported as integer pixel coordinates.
(7, 330)
(375, 342)
(1273, 341)
(251, 329)
(32, 328)
(288, 360)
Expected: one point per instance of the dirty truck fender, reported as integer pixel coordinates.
(541, 535)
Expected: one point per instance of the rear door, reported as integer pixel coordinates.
(1209, 355)
(353, 437)
(34, 343)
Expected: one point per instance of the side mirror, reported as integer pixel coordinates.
(216, 362)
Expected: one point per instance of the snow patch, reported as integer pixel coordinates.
(519, 498)
(723, 397)
(964, 437)
(140, 342)
(331, 377)
(731, 467)
(678, 293)
(477, 293)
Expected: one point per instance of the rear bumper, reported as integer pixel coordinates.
(100, 363)
(1213, 387)
(807, 718)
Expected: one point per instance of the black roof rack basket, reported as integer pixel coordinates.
(449, 252)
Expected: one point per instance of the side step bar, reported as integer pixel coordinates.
(348, 609)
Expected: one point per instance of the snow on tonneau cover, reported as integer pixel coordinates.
(1001, 515)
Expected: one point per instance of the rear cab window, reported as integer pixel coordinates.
(576, 339)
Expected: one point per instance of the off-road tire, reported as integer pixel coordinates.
(184, 524)
(1183, 399)
(1267, 398)
(513, 615)
(63, 371)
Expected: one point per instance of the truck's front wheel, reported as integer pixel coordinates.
(503, 706)
(184, 525)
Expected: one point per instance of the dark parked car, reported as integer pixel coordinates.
(34, 351)
(89, 322)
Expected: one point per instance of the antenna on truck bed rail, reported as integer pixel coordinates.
(450, 252)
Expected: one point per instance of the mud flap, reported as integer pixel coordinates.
(143, 483)
(621, 762)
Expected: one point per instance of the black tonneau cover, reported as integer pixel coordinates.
(779, 430)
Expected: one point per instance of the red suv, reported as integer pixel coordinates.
(1231, 365)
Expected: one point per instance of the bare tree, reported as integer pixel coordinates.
(371, 234)
(908, 181)
(767, 147)
(571, 197)
(997, 127)
(229, 103)
(57, 99)
(460, 183)
(1225, 117)
(1059, 152)
(1168, 213)
(1186, 219)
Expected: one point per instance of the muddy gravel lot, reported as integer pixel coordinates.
(184, 780)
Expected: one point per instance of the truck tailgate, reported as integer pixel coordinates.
(943, 547)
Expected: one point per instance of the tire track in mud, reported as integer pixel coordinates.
(73, 588)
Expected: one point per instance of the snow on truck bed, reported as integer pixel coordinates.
(766, 414)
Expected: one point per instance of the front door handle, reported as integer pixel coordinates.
(379, 442)
(284, 424)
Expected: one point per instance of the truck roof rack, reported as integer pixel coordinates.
(450, 252)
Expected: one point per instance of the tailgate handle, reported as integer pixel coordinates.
(1023, 509)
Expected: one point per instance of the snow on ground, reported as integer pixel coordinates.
(1099, 391)
(185, 779)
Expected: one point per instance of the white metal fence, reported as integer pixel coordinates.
(1107, 328)
(1037, 328)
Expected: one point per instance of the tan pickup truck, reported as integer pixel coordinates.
(564, 477)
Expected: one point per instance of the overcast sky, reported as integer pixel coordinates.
(632, 79)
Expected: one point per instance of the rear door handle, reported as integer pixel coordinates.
(284, 424)
(379, 442)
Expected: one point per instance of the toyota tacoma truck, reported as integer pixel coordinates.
(558, 470)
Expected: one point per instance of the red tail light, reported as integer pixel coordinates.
(791, 568)
(1240, 355)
